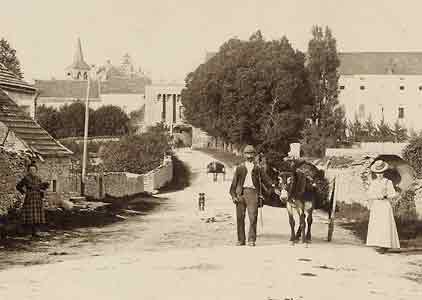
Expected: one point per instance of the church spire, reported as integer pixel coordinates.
(79, 68)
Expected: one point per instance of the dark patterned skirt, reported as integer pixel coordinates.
(33, 209)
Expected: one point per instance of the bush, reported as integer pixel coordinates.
(412, 153)
(137, 154)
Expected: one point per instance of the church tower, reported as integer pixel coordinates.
(79, 68)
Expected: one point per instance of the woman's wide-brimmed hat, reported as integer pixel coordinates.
(379, 166)
(249, 149)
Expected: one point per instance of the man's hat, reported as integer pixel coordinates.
(249, 149)
(379, 166)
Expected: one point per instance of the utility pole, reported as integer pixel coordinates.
(85, 154)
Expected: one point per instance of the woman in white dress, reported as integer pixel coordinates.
(382, 230)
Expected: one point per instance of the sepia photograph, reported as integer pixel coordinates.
(210, 150)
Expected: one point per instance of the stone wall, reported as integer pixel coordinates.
(58, 172)
(12, 169)
(122, 184)
(370, 149)
(159, 177)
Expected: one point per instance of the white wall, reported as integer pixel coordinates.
(154, 104)
(127, 102)
(383, 91)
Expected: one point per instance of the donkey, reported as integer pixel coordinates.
(297, 189)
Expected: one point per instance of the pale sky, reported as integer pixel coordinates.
(170, 38)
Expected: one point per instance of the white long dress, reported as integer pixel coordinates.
(382, 230)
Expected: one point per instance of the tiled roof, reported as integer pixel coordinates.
(124, 85)
(27, 130)
(378, 63)
(11, 82)
(67, 89)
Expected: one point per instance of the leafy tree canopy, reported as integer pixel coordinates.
(9, 59)
(250, 92)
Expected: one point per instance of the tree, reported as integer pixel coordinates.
(250, 92)
(109, 120)
(400, 133)
(356, 130)
(73, 120)
(384, 133)
(327, 115)
(49, 118)
(370, 130)
(139, 153)
(9, 59)
(136, 119)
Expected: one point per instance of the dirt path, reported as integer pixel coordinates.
(174, 253)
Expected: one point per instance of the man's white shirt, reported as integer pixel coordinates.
(248, 180)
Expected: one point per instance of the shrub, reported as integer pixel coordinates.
(412, 153)
(137, 154)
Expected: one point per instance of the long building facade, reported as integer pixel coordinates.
(382, 86)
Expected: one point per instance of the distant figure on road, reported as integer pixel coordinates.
(201, 201)
(382, 230)
(33, 209)
(215, 168)
(247, 188)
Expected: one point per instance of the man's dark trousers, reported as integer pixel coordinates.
(249, 201)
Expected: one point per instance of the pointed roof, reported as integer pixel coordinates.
(11, 82)
(78, 59)
(27, 130)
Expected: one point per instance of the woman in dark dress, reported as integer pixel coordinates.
(33, 207)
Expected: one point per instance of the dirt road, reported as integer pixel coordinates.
(177, 252)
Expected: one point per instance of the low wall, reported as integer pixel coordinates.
(159, 177)
(122, 184)
(370, 149)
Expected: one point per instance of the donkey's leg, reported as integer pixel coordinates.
(301, 230)
(309, 210)
(291, 221)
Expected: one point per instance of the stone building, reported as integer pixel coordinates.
(22, 138)
(163, 104)
(74, 88)
(122, 85)
(384, 85)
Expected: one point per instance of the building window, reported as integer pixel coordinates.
(420, 87)
(79, 75)
(401, 112)
(402, 88)
(174, 108)
(362, 87)
(86, 76)
(342, 87)
(163, 112)
(54, 185)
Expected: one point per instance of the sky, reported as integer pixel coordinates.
(169, 39)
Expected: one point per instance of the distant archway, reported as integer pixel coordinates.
(400, 172)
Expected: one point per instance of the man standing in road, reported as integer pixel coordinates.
(247, 188)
